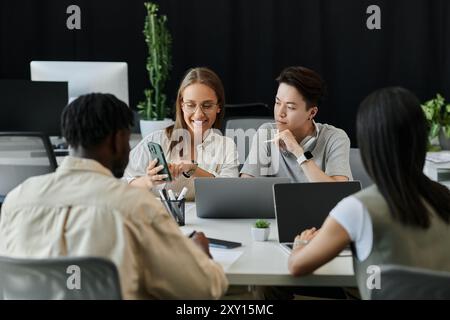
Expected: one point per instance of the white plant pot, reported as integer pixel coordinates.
(444, 141)
(260, 234)
(150, 126)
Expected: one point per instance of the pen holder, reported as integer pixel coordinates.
(177, 209)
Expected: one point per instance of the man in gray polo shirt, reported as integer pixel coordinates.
(295, 146)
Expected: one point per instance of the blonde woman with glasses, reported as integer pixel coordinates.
(193, 146)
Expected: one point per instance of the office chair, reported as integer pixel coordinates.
(23, 155)
(407, 283)
(358, 171)
(243, 138)
(58, 279)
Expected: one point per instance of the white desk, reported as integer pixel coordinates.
(265, 263)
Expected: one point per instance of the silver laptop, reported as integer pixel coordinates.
(301, 206)
(234, 198)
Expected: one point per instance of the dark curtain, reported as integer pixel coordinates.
(247, 42)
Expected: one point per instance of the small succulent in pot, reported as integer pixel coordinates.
(261, 230)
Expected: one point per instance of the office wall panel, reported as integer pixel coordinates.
(247, 42)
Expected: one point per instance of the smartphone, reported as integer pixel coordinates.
(157, 153)
(217, 243)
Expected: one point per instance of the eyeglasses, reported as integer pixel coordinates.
(206, 107)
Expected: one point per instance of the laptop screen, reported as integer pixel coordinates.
(235, 198)
(301, 206)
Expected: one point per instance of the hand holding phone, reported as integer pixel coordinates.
(153, 176)
(157, 153)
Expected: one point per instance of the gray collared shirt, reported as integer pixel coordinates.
(330, 147)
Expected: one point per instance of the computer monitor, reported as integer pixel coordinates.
(32, 106)
(85, 77)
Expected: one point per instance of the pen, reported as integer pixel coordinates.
(166, 199)
(192, 234)
(182, 193)
(161, 194)
(165, 202)
(164, 194)
(171, 195)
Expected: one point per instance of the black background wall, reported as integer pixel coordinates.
(247, 42)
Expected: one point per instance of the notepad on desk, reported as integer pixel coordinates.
(225, 257)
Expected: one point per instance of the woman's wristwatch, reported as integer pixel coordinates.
(189, 173)
(304, 157)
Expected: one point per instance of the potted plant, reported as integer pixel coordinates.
(153, 110)
(437, 113)
(261, 230)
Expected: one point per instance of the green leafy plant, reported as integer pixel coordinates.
(262, 224)
(159, 41)
(437, 113)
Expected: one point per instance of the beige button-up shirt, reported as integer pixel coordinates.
(82, 210)
(217, 154)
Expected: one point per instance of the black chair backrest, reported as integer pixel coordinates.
(76, 278)
(23, 155)
(246, 110)
(257, 109)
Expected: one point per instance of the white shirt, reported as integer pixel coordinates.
(353, 216)
(217, 154)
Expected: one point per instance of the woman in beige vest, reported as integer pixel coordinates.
(404, 217)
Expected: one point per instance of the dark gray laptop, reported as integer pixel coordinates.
(250, 198)
(301, 206)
